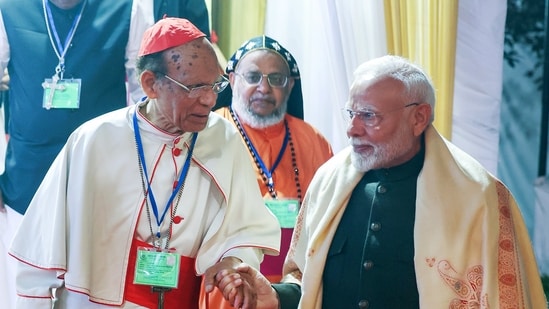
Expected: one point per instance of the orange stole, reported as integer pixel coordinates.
(185, 296)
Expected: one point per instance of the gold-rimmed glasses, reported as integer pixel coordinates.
(276, 80)
(371, 118)
(195, 91)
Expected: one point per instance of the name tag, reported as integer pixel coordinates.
(285, 211)
(157, 268)
(62, 93)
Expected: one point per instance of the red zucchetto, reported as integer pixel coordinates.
(166, 33)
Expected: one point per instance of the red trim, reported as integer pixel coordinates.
(34, 265)
(185, 296)
(34, 297)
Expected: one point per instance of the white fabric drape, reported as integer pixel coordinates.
(478, 79)
(329, 39)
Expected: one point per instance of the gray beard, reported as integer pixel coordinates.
(363, 164)
(383, 154)
(247, 115)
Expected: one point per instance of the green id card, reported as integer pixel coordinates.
(285, 211)
(157, 268)
(63, 93)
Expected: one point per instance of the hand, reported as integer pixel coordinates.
(267, 298)
(229, 282)
(229, 264)
(238, 292)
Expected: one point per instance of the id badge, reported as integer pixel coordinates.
(285, 210)
(157, 267)
(62, 93)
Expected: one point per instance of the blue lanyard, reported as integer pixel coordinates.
(182, 176)
(61, 49)
(269, 173)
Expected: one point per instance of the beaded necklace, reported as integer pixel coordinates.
(268, 182)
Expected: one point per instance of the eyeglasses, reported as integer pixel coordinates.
(369, 118)
(276, 80)
(196, 91)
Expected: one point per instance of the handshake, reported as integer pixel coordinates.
(243, 286)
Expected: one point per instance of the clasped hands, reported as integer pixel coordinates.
(241, 285)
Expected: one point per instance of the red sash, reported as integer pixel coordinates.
(271, 267)
(185, 296)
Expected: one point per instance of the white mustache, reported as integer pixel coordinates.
(262, 98)
(357, 143)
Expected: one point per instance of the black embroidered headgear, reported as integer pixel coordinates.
(295, 101)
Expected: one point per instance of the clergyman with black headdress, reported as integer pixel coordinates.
(266, 105)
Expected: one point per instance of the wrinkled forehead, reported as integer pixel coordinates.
(190, 57)
(369, 91)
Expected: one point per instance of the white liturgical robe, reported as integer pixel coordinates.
(77, 233)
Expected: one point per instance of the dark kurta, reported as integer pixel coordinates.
(370, 263)
(96, 55)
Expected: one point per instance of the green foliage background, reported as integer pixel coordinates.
(525, 25)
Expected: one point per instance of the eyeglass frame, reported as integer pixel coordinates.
(222, 84)
(376, 116)
(261, 75)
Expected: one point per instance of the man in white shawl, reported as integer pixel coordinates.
(143, 200)
(402, 218)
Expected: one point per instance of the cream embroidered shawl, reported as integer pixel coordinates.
(472, 249)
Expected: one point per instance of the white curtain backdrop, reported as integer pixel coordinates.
(329, 39)
(478, 80)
